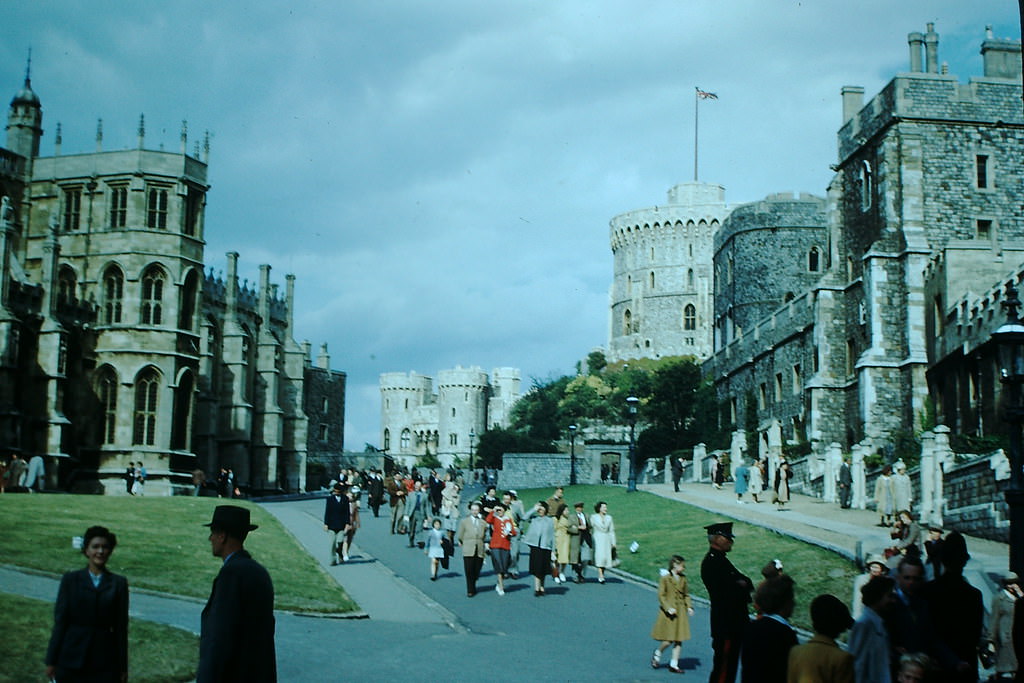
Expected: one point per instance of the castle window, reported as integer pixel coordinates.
(107, 390)
(323, 404)
(193, 207)
(146, 386)
(66, 285)
(778, 386)
(629, 286)
(387, 439)
(797, 381)
(762, 396)
(406, 439)
(814, 260)
(733, 410)
(407, 404)
(652, 281)
(152, 296)
(188, 302)
(982, 171)
(156, 208)
(181, 416)
(453, 439)
(691, 251)
(627, 322)
(72, 209)
(983, 229)
(851, 356)
(118, 207)
(453, 412)
(323, 433)
(689, 278)
(690, 317)
(867, 185)
(113, 292)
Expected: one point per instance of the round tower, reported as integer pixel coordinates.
(402, 398)
(660, 298)
(506, 389)
(462, 396)
(25, 120)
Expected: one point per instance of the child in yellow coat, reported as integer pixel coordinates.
(672, 626)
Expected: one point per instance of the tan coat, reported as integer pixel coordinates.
(564, 526)
(819, 659)
(673, 593)
(471, 537)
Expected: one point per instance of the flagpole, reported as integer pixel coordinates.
(696, 110)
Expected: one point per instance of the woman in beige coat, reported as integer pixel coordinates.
(672, 626)
(565, 525)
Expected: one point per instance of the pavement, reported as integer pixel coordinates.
(417, 629)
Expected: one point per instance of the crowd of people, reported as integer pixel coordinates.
(21, 476)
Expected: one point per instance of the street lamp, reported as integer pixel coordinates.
(572, 454)
(472, 435)
(1009, 340)
(631, 404)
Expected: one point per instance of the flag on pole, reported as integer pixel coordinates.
(706, 95)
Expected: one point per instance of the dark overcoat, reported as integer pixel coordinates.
(90, 626)
(729, 593)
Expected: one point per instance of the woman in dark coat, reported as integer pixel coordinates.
(89, 642)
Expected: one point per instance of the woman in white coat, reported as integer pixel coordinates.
(602, 529)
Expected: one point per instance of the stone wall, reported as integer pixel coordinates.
(538, 470)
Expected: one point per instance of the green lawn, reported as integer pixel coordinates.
(162, 545)
(663, 527)
(151, 647)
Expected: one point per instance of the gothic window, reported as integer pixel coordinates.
(387, 439)
(118, 207)
(146, 386)
(627, 322)
(66, 285)
(406, 439)
(982, 171)
(107, 390)
(156, 208)
(797, 381)
(690, 317)
(193, 208)
(113, 293)
(152, 296)
(814, 260)
(72, 209)
(867, 185)
(188, 301)
(762, 396)
(689, 278)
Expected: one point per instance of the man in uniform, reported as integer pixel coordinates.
(236, 641)
(729, 594)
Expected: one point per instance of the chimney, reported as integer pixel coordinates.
(324, 359)
(231, 292)
(1001, 56)
(931, 49)
(853, 101)
(916, 42)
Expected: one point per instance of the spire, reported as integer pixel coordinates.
(28, 69)
(25, 95)
(142, 130)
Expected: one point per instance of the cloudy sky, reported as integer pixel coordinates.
(440, 175)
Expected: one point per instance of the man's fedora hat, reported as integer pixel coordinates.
(231, 518)
(720, 529)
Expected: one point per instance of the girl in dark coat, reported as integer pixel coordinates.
(89, 642)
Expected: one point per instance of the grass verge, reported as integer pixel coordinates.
(161, 545)
(151, 647)
(664, 527)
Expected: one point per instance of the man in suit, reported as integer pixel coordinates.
(236, 641)
(580, 541)
(396, 499)
(729, 594)
(677, 472)
(768, 640)
(471, 537)
(434, 488)
(821, 658)
(415, 510)
(375, 491)
(845, 483)
(337, 520)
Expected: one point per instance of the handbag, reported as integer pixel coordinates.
(615, 557)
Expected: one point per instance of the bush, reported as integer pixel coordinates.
(977, 445)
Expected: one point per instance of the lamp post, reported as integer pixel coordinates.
(472, 435)
(631, 404)
(572, 454)
(1009, 340)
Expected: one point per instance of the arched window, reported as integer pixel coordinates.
(146, 386)
(689, 278)
(107, 390)
(406, 439)
(113, 293)
(867, 185)
(186, 313)
(627, 322)
(156, 208)
(814, 260)
(652, 280)
(152, 296)
(387, 439)
(65, 285)
(690, 317)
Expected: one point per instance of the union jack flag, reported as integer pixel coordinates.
(706, 95)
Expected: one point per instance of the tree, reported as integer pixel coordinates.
(494, 443)
(537, 413)
(680, 410)
(596, 362)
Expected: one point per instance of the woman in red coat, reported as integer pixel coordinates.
(503, 527)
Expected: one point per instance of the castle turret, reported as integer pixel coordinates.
(25, 120)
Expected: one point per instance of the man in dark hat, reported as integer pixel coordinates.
(236, 641)
(337, 519)
(729, 594)
(957, 611)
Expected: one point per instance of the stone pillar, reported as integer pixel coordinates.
(700, 454)
(859, 478)
(943, 460)
(736, 450)
(927, 472)
(666, 474)
(833, 461)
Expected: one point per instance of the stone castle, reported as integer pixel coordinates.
(116, 345)
(416, 420)
(842, 319)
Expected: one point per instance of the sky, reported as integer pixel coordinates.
(440, 176)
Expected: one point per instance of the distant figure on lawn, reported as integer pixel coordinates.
(89, 641)
(729, 594)
(236, 641)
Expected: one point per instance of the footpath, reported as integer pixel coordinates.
(851, 533)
